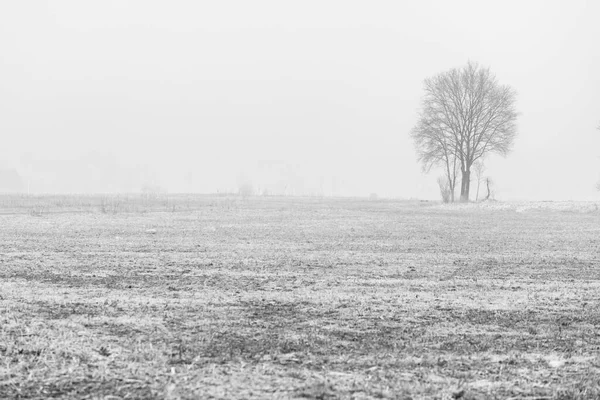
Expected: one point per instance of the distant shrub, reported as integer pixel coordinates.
(152, 192)
(110, 205)
(246, 190)
(37, 210)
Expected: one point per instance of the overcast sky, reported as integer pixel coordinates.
(209, 88)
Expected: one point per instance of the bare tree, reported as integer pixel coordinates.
(465, 114)
(445, 192)
(479, 168)
(436, 149)
(490, 192)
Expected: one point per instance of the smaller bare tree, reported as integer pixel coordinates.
(479, 168)
(445, 189)
(435, 149)
(490, 193)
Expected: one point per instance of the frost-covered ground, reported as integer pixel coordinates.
(213, 297)
(523, 206)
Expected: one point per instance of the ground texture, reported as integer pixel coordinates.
(315, 299)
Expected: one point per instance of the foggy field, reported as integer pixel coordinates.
(219, 297)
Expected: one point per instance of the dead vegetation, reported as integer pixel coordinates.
(283, 298)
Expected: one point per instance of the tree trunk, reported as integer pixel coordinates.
(465, 186)
(478, 184)
(451, 178)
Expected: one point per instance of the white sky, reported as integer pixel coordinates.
(331, 86)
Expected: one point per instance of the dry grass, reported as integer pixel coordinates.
(281, 298)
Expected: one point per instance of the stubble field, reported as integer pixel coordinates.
(301, 298)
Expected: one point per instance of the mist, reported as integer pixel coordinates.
(303, 98)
